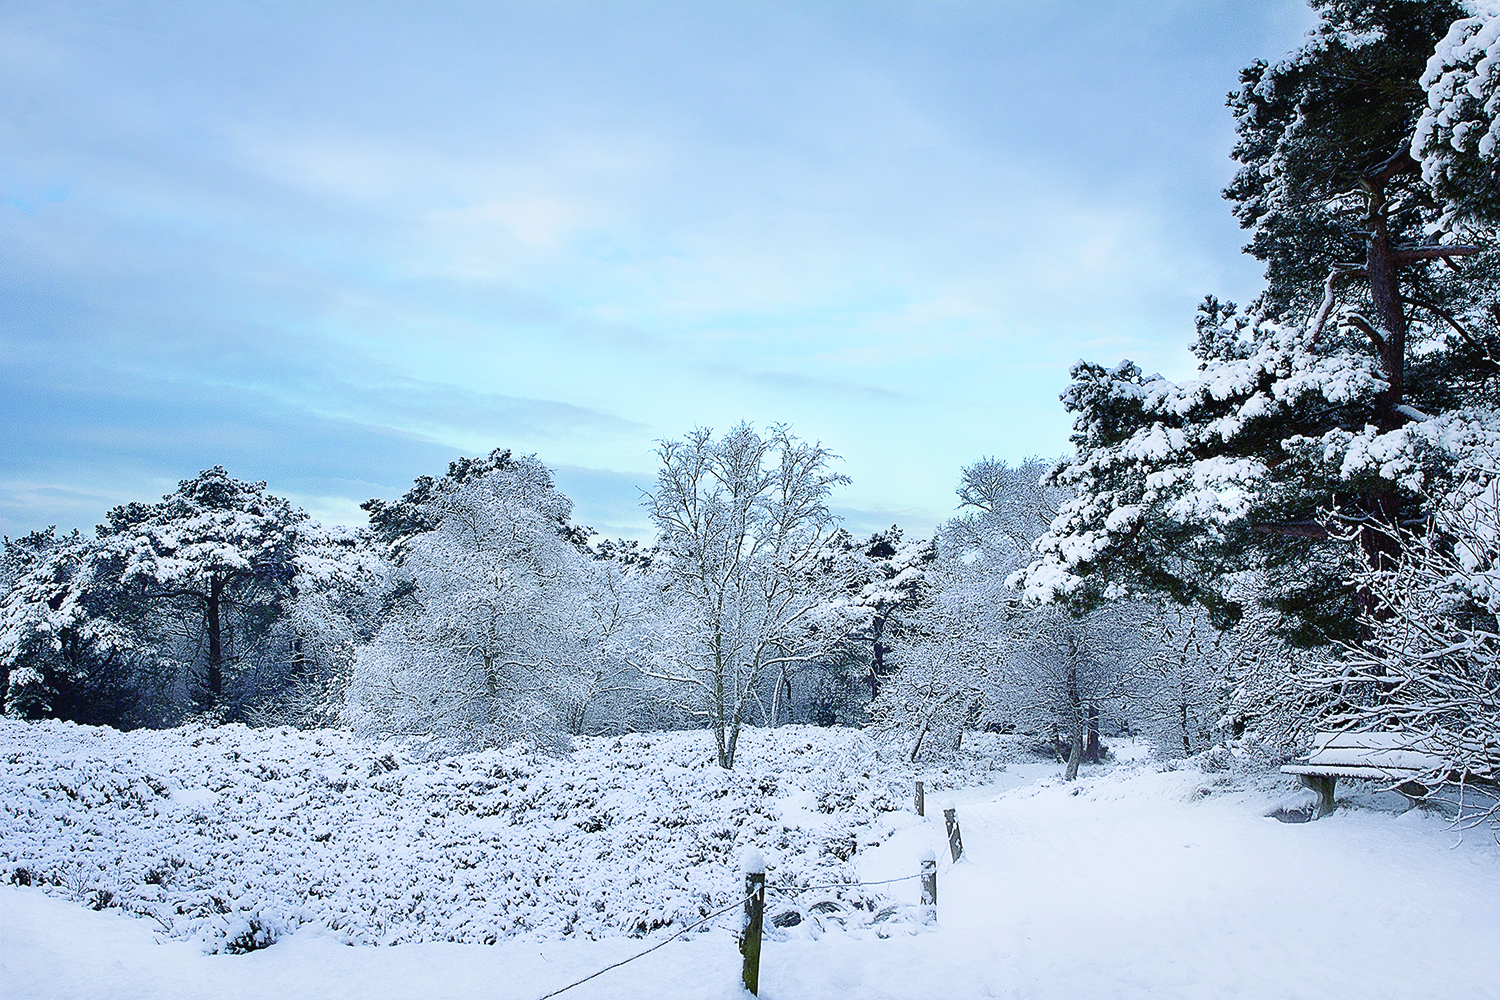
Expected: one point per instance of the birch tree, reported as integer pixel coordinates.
(741, 520)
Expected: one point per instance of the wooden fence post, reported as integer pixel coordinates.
(755, 915)
(929, 885)
(955, 839)
(921, 800)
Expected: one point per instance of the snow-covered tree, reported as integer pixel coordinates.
(1457, 140)
(947, 653)
(604, 619)
(1003, 509)
(975, 656)
(69, 644)
(204, 599)
(741, 521)
(932, 697)
(1065, 670)
(219, 551)
(307, 660)
(1320, 399)
(944, 658)
(882, 580)
(1181, 691)
(486, 632)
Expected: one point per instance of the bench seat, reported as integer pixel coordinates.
(1367, 771)
(1396, 758)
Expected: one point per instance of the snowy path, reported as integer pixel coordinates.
(1133, 888)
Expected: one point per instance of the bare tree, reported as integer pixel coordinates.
(741, 521)
(1431, 670)
(1062, 670)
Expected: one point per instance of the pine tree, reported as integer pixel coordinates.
(69, 642)
(217, 547)
(1340, 394)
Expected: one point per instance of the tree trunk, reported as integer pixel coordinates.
(1377, 541)
(734, 742)
(916, 747)
(958, 736)
(1075, 752)
(215, 640)
(726, 758)
(1385, 296)
(781, 698)
(1091, 751)
(1182, 715)
(1075, 720)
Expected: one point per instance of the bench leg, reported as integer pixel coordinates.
(1323, 785)
(1414, 792)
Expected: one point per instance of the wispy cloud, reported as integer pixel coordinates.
(329, 246)
(793, 382)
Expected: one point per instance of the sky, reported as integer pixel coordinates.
(334, 246)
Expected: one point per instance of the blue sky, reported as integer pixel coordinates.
(333, 246)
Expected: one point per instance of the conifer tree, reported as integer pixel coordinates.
(1340, 393)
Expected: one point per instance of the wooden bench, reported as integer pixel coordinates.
(1393, 758)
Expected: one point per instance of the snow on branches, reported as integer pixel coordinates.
(1457, 140)
(1431, 667)
(1162, 463)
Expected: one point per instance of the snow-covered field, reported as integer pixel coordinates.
(1134, 881)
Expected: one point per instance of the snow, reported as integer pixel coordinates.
(204, 829)
(1398, 751)
(1135, 881)
(1457, 139)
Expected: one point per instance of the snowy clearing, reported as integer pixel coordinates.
(1133, 882)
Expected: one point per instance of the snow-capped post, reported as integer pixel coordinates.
(754, 867)
(920, 798)
(929, 885)
(955, 839)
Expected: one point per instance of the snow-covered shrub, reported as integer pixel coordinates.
(242, 934)
(233, 836)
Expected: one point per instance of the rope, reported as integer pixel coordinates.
(792, 890)
(668, 940)
(632, 958)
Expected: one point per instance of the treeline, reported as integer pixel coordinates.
(472, 610)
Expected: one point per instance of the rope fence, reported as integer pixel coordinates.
(755, 898)
(794, 890)
(632, 958)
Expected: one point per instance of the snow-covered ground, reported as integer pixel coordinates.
(1133, 882)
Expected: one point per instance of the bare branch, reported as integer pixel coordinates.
(1360, 323)
(1340, 271)
(1409, 255)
